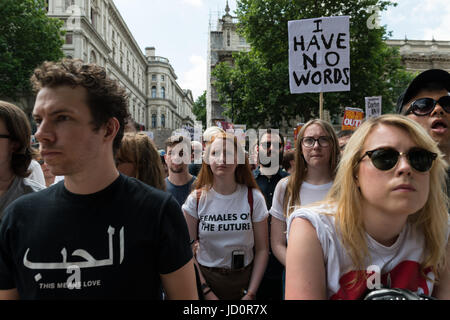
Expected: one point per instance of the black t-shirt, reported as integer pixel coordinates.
(108, 245)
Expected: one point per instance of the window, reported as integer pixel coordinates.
(153, 77)
(163, 92)
(69, 38)
(162, 77)
(163, 121)
(153, 120)
(68, 4)
(93, 57)
(153, 92)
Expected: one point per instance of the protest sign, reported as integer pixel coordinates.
(319, 54)
(373, 107)
(297, 130)
(353, 118)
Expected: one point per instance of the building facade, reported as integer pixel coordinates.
(223, 40)
(97, 33)
(420, 55)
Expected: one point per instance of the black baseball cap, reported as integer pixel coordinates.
(419, 82)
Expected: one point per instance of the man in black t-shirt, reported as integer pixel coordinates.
(97, 234)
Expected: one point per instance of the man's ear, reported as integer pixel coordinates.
(112, 127)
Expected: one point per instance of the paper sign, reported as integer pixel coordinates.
(373, 107)
(319, 54)
(353, 118)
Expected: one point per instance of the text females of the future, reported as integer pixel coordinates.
(319, 55)
(209, 222)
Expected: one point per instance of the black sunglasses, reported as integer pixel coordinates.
(386, 158)
(424, 106)
(5, 136)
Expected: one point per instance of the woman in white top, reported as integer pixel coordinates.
(383, 224)
(316, 158)
(229, 222)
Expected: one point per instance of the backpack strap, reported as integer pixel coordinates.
(198, 194)
(250, 200)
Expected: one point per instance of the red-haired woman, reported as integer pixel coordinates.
(228, 215)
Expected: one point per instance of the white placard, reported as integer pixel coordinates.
(373, 107)
(319, 54)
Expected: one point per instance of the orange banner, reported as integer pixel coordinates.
(353, 118)
(297, 130)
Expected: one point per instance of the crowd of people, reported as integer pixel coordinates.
(99, 212)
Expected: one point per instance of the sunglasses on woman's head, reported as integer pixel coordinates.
(386, 158)
(424, 106)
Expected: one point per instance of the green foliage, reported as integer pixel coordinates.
(260, 77)
(27, 38)
(199, 108)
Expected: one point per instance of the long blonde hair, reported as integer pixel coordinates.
(431, 219)
(291, 198)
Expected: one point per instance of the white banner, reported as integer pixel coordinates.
(319, 54)
(373, 107)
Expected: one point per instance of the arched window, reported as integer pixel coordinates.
(93, 57)
(163, 121)
(163, 92)
(153, 120)
(153, 92)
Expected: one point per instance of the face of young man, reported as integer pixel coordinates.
(68, 143)
(437, 123)
(269, 150)
(177, 158)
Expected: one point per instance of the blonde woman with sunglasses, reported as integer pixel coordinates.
(383, 224)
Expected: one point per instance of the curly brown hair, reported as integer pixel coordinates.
(105, 97)
(19, 130)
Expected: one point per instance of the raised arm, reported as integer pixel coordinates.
(305, 267)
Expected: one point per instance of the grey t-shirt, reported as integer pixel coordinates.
(19, 187)
(180, 192)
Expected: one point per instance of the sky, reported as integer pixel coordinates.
(178, 29)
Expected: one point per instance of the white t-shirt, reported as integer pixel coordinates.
(309, 193)
(399, 262)
(36, 172)
(225, 224)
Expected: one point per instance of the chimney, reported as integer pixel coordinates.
(150, 51)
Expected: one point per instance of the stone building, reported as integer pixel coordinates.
(420, 55)
(223, 40)
(97, 33)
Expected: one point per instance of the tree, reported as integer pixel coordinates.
(28, 37)
(261, 75)
(199, 108)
